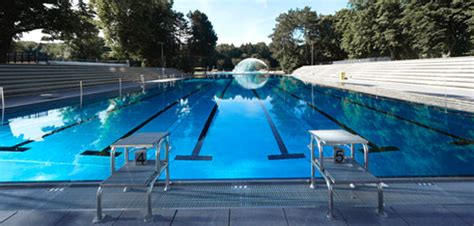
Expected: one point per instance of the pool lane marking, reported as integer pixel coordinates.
(19, 148)
(372, 145)
(202, 136)
(284, 154)
(460, 140)
(105, 151)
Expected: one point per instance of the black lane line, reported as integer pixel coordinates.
(202, 136)
(373, 147)
(460, 140)
(105, 151)
(284, 154)
(19, 148)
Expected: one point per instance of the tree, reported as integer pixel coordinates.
(297, 31)
(203, 39)
(228, 55)
(18, 16)
(139, 29)
(327, 44)
(471, 29)
(225, 54)
(182, 34)
(83, 41)
(289, 35)
(439, 28)
(389, 36)
(362, 30)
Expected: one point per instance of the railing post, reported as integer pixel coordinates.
(445, 95)
(3, 104)
(120, 86)
(142, 78)
(80, 93)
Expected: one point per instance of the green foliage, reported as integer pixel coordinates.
(203, 39)
(297, 32)
(83, 41)
(138, 29)
(439, 28)
(228, 55)
(52, 50)
(406, 29)
(225, 54)
(400, 29)
(18, 16)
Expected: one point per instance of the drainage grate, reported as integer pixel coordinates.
(240, 187)
(428, 184)
(240, 195)
(56, 189)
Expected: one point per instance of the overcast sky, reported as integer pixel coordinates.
(242, 21)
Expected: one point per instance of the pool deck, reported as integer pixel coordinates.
(241, 203)
(17, 103)
(455, 99)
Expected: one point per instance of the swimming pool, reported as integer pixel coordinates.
(226, 128)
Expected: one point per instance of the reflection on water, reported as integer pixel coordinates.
(35, 127)
(423, 136)
(239, 137)
(251, 81)
(250, 65)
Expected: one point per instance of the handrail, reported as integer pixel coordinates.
(120, 86)
(80, 92)
(142, 80)
(3, 104)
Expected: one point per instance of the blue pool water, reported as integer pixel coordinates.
(70, 143)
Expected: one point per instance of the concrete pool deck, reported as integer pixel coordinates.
(454, 99)
(18, 103)
(239, 203)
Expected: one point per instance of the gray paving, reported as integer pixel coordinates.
(257, 217)
(447, 203)
(215, 217)
(5, 214)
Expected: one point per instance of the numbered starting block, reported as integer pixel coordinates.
(339, 156)
(140, 157)
(341, 170)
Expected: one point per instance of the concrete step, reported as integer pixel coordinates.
(426, 83)
(49, 89)
(52, 83)
(67, 77)
(415, 78)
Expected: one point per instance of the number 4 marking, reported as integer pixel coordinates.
(141, 158)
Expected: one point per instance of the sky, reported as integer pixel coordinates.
(242, 21)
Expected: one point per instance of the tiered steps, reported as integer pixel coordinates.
(31, 79)
(455, 73)
(444, 82)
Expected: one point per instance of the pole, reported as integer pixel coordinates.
(120, 86)
(162, 61)
(3, 104)
(80, 93)
(142, 78)
(312, 53)
(445, 95)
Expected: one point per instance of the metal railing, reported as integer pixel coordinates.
(26, 57)
(80, 93)
(120, 86)
(3, 104)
